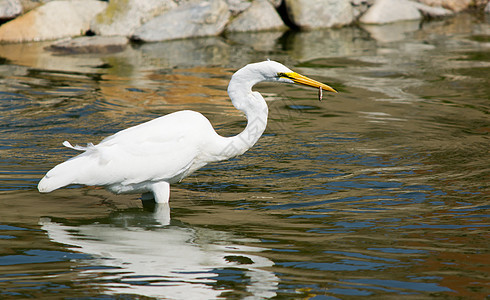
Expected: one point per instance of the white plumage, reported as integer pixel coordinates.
(150, 156)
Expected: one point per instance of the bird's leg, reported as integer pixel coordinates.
(161, 191)
(161, 213)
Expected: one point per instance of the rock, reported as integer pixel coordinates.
(90, 44)
(359, 7)
(237, 6)
(53, 20)
(206, 18)
(454, 5)
(28, 5)
(308, 14)
(10, 9)
(261, 15)
(388, 11)
(432, 12)
(487, 8)
(275, 3)
(122, 17)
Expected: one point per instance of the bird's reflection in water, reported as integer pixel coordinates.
(145, 253)
(160, 211)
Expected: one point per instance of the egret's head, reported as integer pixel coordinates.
(245, 78)
(274, 71)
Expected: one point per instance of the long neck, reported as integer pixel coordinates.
(256, 111)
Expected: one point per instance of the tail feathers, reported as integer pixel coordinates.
(66, 173)
(59, 176)
(51, 183)
(77, 147)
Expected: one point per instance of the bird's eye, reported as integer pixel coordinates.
(284, 75)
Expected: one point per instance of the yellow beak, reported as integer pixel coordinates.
(300, 79)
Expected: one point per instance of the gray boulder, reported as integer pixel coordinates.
(122, 17)
(359, 7)
(206, 18)
(432, 12)
(309, 14)
(237, 6)
(10, 9)
(388, 11)
(453, 5)
(53, 20)
(261, 15)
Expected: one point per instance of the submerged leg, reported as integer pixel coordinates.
(161, 191)
(161, 213)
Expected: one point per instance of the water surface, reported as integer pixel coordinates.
(379, 191)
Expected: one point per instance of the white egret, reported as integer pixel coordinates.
(147, 158)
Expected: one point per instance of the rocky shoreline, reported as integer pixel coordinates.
(117, 21)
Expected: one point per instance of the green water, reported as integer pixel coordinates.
(380, 191)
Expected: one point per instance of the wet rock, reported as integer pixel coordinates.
(388, 11)
(10, 9)
(53, 20)
(454, 5)
(308, 14)
(275, 3)
(237, 6)
(359, 7)
(90, 44)
(205, 18)
(28, 5)
(261, 15)
(122, 17)
(432, 12)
